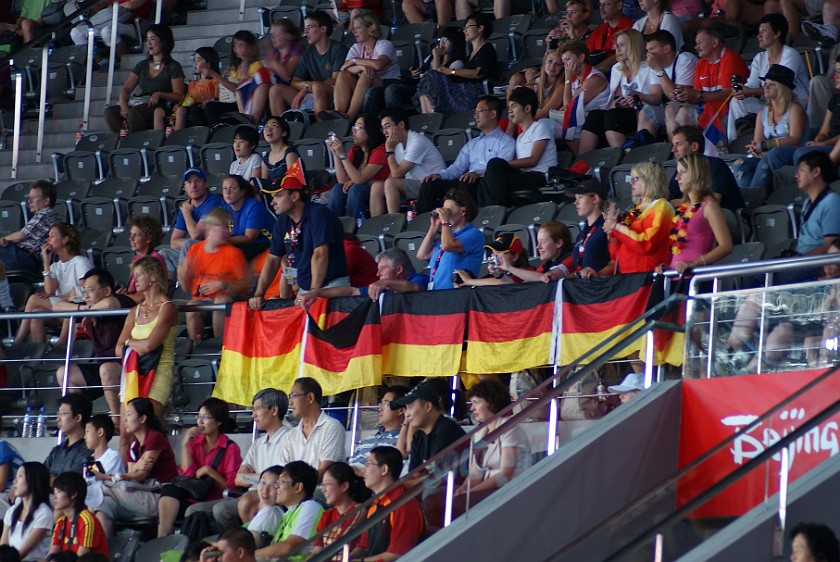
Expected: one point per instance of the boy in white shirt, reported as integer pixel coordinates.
(248, 163)
(105, 461)
(267, 520)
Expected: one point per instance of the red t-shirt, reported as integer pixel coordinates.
(85, 532)
(361, 267)
(717, 76)
(602, 37)
(377, 156)
(165, 468)
(406, 523)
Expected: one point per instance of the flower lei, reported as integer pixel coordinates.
(630, 216)
(680, 228)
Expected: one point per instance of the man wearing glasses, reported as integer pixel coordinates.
(391, 421)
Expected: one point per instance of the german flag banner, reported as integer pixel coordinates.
(423, 333)
(593, 310)
(511, 327)
(261, 349)
(348, 354)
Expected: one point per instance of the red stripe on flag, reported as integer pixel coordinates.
(416, 329)
(601, 316)
(323, 355)
(506, 326)
(263, 333)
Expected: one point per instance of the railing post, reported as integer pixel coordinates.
(68, 354)
(18, 74)
(109, 90)
(450, 494)
(354, 424)
(88, 79)
(650, 358)
(551, 438)
(158, 13)
(42, 100)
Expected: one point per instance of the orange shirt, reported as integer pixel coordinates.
(644, 243)
(226, 264)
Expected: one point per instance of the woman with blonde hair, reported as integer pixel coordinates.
(632, 84)
(699, 233)
(639, 238)
(548, 84)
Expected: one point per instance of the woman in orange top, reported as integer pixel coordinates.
(639, 239)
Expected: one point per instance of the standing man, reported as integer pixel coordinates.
(470, 165)
(320, 63)
(411, 156)
(307, 239)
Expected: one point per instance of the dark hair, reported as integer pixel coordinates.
(246, 37)
(274, 469)
(463, 199)
(80, 405)
(447, 397)
(93, 557)
(390, 457)
(778, 23)
(38, 483)
(149, 226)
(482, 20)
(493, 104)
(73, 484)
(211, 55)
(399, 390)
(321, 18)
(9, 553)
(302, 473)
(284, 127)
(220, 412)
(458, 48)
(663, 37)
(525, 97)
(243, 184)
(271, 398)
(822, 542)
(396, 114)
(815, 159)
(713, 29)
(692, 133)
(307, 385)
(374, 133)
(47, 189)
(103, 422)
(247, 133)
(343, 472)
(167, 40)
(63, 556)
(493, 392)
(74, 239)
(193, 552)
(239, 537)
(103, 277)
(143, 407)
(835, 244)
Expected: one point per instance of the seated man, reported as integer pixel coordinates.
(673, 70)
(236, 544)
(74, 412)
(391, 420)
(94, 379)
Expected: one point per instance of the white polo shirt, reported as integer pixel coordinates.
(325, 443)
(265, 451)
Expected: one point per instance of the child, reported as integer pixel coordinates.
(244, 64)
(201, 90)
(267, 520)
(76, 529)
(105, 463)
(247, 163)
(282, 60)
(281, 155)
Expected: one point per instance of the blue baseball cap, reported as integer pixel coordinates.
(197, 171)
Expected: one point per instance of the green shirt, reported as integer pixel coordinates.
(302, 521)
(32, 9)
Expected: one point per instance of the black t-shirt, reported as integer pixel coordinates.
(834, 122)
(107, 329)
(486, 60)
(423, 447)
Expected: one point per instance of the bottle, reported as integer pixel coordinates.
(170, 125)
(27, 423)
(411, 214)
(360, 220)
(124, 129)
(3, 139)
(41, 425)
(80, 133)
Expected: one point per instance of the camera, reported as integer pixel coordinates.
(638, 104)
(737, 83)
(435, 214)
(456, 279)
(554, 43)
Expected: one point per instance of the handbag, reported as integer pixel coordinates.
(198, 488)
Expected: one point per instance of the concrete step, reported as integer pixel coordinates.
(216, 30)
(205, 17)
(30, 172)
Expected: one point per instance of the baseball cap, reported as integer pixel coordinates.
(588, 186)
(423, 391)
(507, 242)
(633, 381)
(194, 171)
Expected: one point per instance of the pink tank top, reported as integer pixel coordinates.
(699, 238)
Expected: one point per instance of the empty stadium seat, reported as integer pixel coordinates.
(449, 142)
(313, 152)
(320, 130)
(488, 219)
(656, 152)
(410, 242)
(426, 123)
(117, 260)
(383, 228)
(216, 157)
(11, 217)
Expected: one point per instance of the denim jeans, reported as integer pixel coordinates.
(351, 203)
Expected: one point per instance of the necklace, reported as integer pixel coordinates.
(156, 65)
(680, 228)
(147, 309)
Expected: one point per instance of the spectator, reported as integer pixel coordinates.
(188, 225)
(411, 156)
(813, 541)
(361, 266)
(547, 81)
(402, 529)
(344, 490)
(105, 462)
(461, 245)
(247, 163)
(76, 529)
(150, 463)
(418, 11)
(10, 460)
(689, 139)
(62, 288)
(601, 42)
(250, 220)
(316, 74)
(202, 89)
(30, 18)
(214, 270)
(308, 236)
(396, 274)
(658, 18)
(285, 52)
(243, 64)
(673, 70)
(269, 515)
(536, 152)
(582, 79)
(281, 154)
(149, 326)
(161, 82)
(435, 432)
(28, 523)
(780, 129)
(631, 83)
(318, 440)
(506, 254)
(294, 492)
(699, 235)
(826, 33)
(829, 132)
(449, 90)
(206, 450)
(470, 165)
(391, 420)
(144, 235)
(363, 164)
(632, 384)
(236, 545)
(554, 245)
(575, 26)
(591, 253)
(127, 12)
(371, 62)
(772, 32)
(70, 456)
(639, 239)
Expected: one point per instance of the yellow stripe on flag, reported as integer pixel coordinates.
(412, 360)
(361, 372)
(509, 356)
(241, 376)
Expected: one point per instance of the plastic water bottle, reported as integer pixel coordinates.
(124, 129)
(360, 220)
(27, 423)
(80, 133)
(411, 214)
(41, 425)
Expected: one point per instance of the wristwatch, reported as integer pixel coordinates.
(699, 95)
(452, 72)
(660, 74)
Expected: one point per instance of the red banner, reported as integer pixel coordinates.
(714, 409)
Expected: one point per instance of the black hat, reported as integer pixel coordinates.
(780, 74)
(423, 391)
(588, 186)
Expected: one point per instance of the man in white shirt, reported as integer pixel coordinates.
(536, 152)
(411, 157)
(673, 70)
